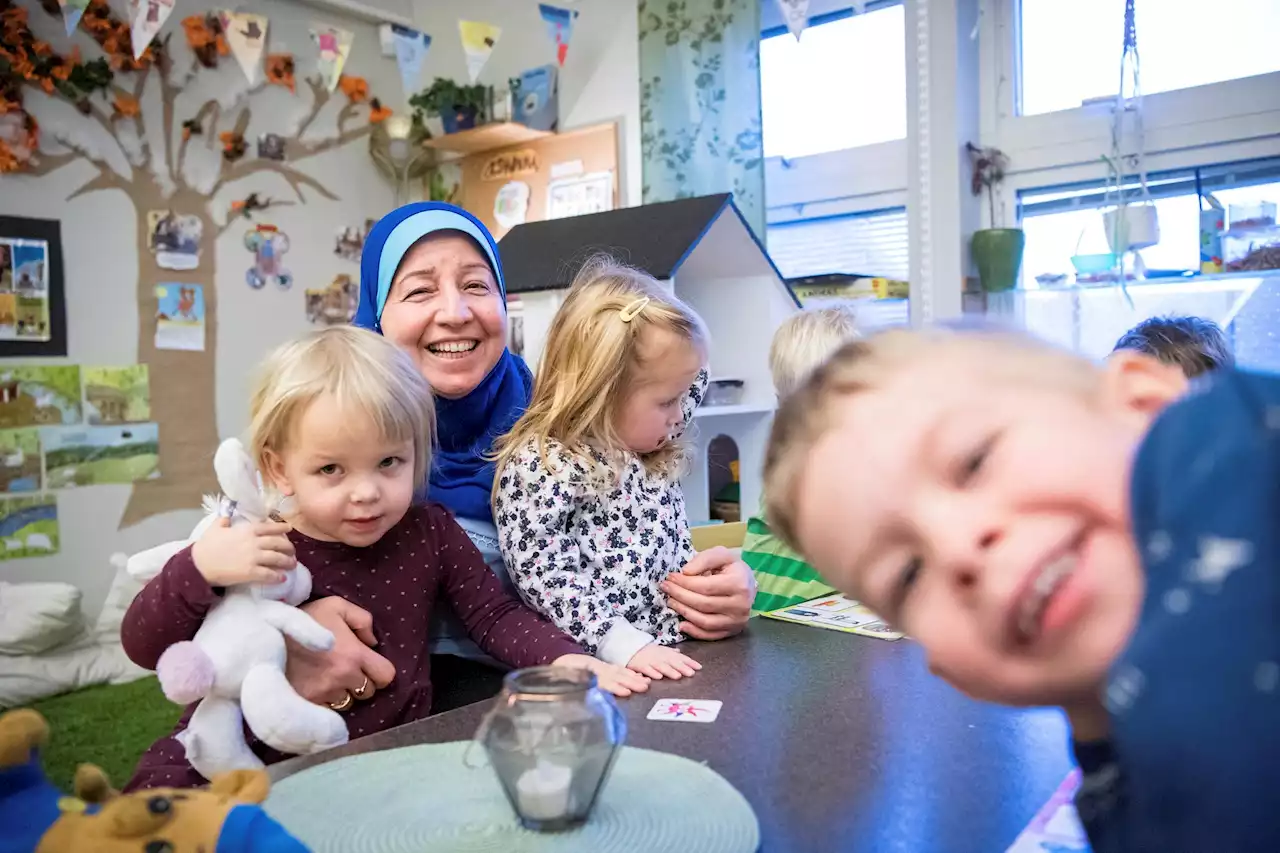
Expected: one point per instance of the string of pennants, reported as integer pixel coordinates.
(246, 36)
(795, 13)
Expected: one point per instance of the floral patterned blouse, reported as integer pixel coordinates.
(588, 557)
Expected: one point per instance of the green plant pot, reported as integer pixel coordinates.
(997, 253)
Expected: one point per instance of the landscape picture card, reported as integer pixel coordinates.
(21, 467)
(94, 455)
(24, 290)
(180, 316)
(39, 395)
(29, 526)
(117, 395)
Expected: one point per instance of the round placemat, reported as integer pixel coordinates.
(425, 798)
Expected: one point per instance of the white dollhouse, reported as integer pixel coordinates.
(704, 249)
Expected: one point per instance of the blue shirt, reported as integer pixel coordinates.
(1193, 761)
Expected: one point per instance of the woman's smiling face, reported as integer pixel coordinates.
(446, 310)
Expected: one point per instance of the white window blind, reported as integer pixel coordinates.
(873, 244)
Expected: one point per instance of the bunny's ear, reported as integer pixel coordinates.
(238, 477)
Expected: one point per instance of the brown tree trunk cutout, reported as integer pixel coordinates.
(183, 384)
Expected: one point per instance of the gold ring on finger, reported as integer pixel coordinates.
(363, 692)
(346, 703)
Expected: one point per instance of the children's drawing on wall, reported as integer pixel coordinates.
(271, 146)
(268, 244)
(174, 238)
(148, 17)
(515, 325)
(180, 316)
(24, 290)
(350, 241)
(36, 396)
(580, 195)
(117, 395)
(92, 456)
(28, 527)
(334, 305)
(511, 205)
(21, 469)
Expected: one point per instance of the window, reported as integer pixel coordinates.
(842, 85)
(1064, 221)
(873, 244)
(1071, 48)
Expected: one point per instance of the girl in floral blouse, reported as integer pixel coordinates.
(587, 500)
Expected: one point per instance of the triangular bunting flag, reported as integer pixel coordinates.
(247, 36)
(559, 27)
(72, 12)
(334, 46)
(478, 40)
(148, 17)
(796, 14)
(411, 49)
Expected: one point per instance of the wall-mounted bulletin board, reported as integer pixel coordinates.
(568, 174)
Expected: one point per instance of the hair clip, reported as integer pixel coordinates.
(632, 310)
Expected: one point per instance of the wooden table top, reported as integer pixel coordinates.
(839, 742)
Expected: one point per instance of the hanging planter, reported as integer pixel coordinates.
(997, 252)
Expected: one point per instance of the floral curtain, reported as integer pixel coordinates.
(700, 129)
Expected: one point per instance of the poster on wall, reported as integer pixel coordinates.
(37, 395)
(21, 466)
(580, 195)
(95, 455)
(33, 314)
(180, 316)
(29, 527)
(117, 395)
(334, 305)
(511, 205)
(174, 238)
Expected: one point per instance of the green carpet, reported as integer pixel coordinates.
(110, 725)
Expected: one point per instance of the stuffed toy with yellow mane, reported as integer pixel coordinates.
(37, 818)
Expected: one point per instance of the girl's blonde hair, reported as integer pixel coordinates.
(362, 371)
(591, 362)
(804, 341)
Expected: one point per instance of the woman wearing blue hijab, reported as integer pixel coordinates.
(431, 281)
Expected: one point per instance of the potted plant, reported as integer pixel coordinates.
(997, 252)
(459, 107)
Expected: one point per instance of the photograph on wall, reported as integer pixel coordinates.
(92, 456)
(350, 241)
(21, 469)
(180, 316)
(334, 305)
(29, 526)
(174, 238)
(580, 195)
(117, 395)
(32, 395)
(24, 290)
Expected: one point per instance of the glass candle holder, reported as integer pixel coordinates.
(551, 738)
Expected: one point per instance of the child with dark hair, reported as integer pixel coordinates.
(1192, 344)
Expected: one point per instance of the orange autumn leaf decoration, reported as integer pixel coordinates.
(126, 106)
(355, 88)
(279, 68)
(205, 38)
(377, 112)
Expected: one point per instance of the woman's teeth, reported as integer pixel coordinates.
(453, 346)
(1033, 604)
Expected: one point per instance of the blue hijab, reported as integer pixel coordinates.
(461, 475)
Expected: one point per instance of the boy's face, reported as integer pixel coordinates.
(988, 518)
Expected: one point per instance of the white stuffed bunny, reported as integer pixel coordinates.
(235, 663)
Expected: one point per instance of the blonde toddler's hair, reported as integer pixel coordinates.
(362, 371)
(804, 341)
(868, 364)
(592, 361)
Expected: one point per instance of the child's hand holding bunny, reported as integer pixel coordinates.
(246, 553)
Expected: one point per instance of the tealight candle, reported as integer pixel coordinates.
(543, 791)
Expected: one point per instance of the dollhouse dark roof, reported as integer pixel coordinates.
(656, 238)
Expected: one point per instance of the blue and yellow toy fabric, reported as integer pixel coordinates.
(35, 817)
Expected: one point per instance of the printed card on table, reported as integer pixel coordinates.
(837, 613)
(686, 710)
(1056, 827)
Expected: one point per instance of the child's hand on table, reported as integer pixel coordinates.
(657, 661)
(246, 553)
(618, 680)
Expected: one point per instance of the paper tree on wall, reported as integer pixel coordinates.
(109, 91)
